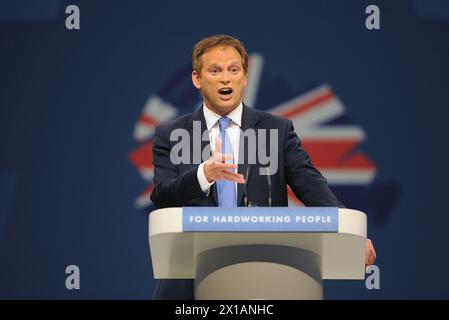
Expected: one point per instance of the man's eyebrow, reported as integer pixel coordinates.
(215, 65)
(235, 64)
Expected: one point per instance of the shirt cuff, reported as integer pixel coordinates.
(204, 184)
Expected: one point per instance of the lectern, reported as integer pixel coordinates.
(258, 252)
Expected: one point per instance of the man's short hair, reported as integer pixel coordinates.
(218, 40)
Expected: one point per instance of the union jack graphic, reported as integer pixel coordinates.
(331, 144)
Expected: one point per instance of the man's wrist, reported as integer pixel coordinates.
(203, 181)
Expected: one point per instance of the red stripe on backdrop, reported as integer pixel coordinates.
(149, 189)
(337, 154)
(148, 120)
(142, 157)
(305, 106)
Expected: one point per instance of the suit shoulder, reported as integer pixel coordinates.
(271, 119)
(180, 122)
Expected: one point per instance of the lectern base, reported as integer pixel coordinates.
(258, 272)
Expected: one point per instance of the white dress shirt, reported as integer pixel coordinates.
(233, 132)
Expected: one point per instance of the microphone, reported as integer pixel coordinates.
(269, 186)
(245, 197)
(245, 194)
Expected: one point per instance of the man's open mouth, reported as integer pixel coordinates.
(225, 91)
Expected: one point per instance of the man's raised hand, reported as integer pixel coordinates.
(216, 167)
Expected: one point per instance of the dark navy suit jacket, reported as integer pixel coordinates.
(178, 186)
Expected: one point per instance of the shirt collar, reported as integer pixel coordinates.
(212, 117)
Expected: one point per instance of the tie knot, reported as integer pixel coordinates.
(224, 123)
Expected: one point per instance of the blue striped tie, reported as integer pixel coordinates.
(227, 196)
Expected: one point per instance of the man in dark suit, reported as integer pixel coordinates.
(232, 175)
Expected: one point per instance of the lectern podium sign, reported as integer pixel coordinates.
(263, 219)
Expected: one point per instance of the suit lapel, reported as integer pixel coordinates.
(198, 115)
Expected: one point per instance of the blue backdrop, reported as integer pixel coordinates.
(71, 99)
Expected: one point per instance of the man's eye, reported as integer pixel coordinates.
(214, 71)
(235, 70)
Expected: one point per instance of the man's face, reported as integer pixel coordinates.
(222, 79)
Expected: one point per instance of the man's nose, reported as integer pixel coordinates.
(225, 78)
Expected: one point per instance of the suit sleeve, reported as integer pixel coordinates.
(303, 178)
(172, 189)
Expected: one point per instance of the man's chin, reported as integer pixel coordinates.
(223, 107)
(228, 106)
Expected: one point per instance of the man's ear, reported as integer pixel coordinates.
(245, 80)
(196, 79)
